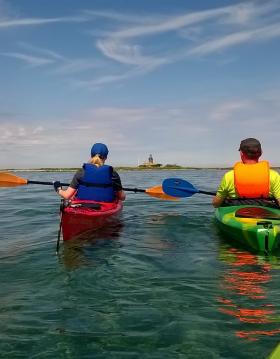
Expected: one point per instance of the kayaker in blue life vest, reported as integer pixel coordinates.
(95, 180)
(250, 180)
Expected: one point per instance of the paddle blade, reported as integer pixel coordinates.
(10, 180)
(157, 192)
(178, 187)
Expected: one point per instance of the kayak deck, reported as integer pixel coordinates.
(256, 227)
(80, 217)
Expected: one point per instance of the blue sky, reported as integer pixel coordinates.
(182, 80)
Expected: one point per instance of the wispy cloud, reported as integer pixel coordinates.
(16, 134)
(38, 21)
(42, 51)
(171, 24)
(121, 46)
(243, 13)
(74, 66)
(126, 54)
(38, 56)
(237, 38)
(132, 44)
(114, 47)
(249, 13)
(96, 83)
(30, 60)
(122, 18)
(132, 132)
(227, 110)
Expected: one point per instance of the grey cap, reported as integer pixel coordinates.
(251, 146)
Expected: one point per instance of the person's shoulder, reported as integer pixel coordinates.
(115, 173)
(80, 172)
(229, 173)
(274, 173)
(228, 177)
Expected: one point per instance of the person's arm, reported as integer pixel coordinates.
(217, 201)
(221, 194)
(120, 195)
(117, 185)
(275, 185)
(70, 192)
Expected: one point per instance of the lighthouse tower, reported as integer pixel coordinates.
(151, 160)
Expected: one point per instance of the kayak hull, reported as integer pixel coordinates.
(82, 217)
(260, 234)
(275, 353)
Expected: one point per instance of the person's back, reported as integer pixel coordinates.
(94, 181)
(250, 179)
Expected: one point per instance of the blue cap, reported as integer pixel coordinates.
(99, 149)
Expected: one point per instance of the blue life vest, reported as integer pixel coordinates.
(96, 184)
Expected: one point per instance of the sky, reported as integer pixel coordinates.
(185, 81)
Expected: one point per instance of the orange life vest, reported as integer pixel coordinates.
(252, 180)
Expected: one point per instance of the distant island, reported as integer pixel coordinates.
(117, 168)
(121, 168)
(149, 165)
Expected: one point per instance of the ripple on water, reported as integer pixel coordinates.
(154, 286)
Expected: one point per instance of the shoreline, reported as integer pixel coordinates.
(121, 168)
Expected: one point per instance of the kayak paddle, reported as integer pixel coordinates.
(11, 180)
(178, 187)
(155, 191)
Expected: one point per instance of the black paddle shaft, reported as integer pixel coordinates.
(133, 189)
(67, 184)
(45, 183)
(206, 192)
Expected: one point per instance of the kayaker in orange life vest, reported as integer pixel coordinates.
(95, 180)
(250, 179)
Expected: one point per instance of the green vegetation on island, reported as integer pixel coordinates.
(117, 168)
(121, 168)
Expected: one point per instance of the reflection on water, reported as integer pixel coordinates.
(245, 298)
(79, 252)
(148, 289)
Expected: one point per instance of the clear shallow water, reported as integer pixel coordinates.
(163, 283)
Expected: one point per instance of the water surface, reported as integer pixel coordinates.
(162, 283)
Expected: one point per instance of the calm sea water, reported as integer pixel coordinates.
(162, 283)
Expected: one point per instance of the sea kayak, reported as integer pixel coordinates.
(275, 354)
(256, 227)
(81, 217)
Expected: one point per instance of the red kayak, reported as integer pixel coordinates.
(80, 217)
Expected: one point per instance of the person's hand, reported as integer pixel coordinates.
(57, 186)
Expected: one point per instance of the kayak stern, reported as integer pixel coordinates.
(259, 234)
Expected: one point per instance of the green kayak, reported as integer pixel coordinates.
(275, 354)
(256, 227)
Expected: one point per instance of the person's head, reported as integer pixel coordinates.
(250, 149)
(99, 153)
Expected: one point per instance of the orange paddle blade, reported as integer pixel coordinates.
(157, 192)
(10, 180)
